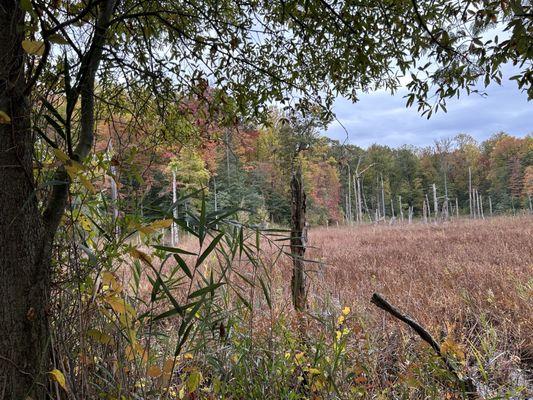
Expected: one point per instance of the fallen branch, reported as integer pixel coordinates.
(426, 336)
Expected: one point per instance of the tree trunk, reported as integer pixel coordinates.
(435, 203)
(174, 238)
(298, 239)
(26, 235)
(349, 205)
(359, 201)
(24, 260)
(383, 199)
(470, 192)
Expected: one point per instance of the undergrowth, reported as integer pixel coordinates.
(211, 319)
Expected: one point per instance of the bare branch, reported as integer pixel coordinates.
(426, 337)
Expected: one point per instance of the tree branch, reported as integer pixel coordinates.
(380, 302)
(85, 89)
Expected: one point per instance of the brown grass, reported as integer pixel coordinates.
(448, 276)
(468, 281)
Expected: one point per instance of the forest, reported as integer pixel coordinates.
(249, 169)
(176, 223)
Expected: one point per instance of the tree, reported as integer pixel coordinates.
(299, 132)
(66, 64)
(474, 40)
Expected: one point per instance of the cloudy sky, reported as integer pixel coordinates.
(381, 118)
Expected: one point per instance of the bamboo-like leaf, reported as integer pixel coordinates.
(209, 249)
(50, 107)
(175, 250)
(183, 265)
(205, 290)
(266, 292)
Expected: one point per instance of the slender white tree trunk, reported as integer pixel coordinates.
(359, 200)
(174, 235)
(383, 198)
(478, 204)
(435, 203)
(356, 199)
(349, 213)
(393, 217)
(428, 209)
(470, 193)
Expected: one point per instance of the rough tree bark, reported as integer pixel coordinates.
(24, 277)
(26, 235)
(298, 239)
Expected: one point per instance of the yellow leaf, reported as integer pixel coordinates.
(116, 303)
(60, 154)
(346, 310)
(168, 365)
(57, 375)
(129, 353)
(75, 166)
(87, 184)
(147, 230)
(108, 278)
(4, 118)
(85, 223)
(194, 380)
(56, 38)
(154, 371)
(135, 348)
(449, 347)
(141, 256)
(71, 172)
(163, 223)
(33, 47)
(100, 337)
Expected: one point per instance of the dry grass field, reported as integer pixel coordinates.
(448, 273)
(469, 283)
(470, 280)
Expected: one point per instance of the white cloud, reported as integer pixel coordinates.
(381, 118)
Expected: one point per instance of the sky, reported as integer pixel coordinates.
(383, 119)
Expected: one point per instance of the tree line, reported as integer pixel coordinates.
(249, 168)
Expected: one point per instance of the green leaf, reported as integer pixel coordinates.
(57, 38)
(50, 107)
(171, 312)
(194, 380)
(209, 249)
(265, 292)
(183, 265)
(204, 290)
(26, 5)
(175, 250)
